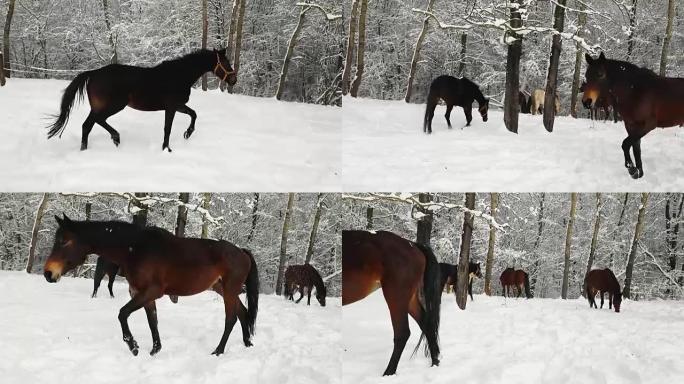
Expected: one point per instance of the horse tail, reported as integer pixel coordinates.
(252, 286)
(527, 286)
(74, 89)
(433, 300)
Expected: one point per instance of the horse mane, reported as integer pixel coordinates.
(318, 281)
(192, 57)
(107, 233)
(475, 88)
(613, 279)
(626, 71)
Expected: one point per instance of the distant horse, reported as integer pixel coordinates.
(449, 276)
(524, 101)
(537, 102)
(304, 277)
(106, 267)
(603, 280)
(516, 280)
(163, 87)
(408, 274)
(605, 102)
(461, 92)
(643, 99)
(156, 263)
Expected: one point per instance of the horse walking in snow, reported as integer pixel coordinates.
(304, 277)
(461, 92)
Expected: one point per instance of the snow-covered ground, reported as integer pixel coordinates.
(240, 143)
(497, 340)
(55, 333)
(384, 148)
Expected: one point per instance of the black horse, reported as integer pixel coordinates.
(163, 87)
(461, 92)
(449, 276)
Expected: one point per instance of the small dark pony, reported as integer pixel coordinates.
(449, 276)
(157, 263)
(408, 274)
(163, 87)
(105, 267)
(461, 92)
(301, 277)
(605, 103)
(644, 99)
(515, 280)
(603, 280)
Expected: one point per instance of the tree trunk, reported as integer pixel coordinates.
(576, 78)
(182, 217)
(511, 100)
(2, 70)
(314, 228)
(594, 238)
(206, 203)
(552, 79)
(230, 47)
(537, 242)
(369, 218)
(617, 228)
(283, 244)
(205, 27)
(6, 38)
(416, 52)
(353, 20)
(288, 54)
(632, 27)
(424, 224)
(568, 245)
(668, 37)
(462, 56)
(672, 230)
(34, 233)
(255, 210)
(464, 257)
(360, 51)
(494, 197)
(238, 39)
(108, 22)
(140, 216)
(633, 249)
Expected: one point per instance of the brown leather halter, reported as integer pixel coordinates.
(226, 73)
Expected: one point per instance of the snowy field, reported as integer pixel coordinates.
(497, 340)
(240, 143)
(55, 333)
(384, 148)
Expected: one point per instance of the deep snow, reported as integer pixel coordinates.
(497, 340)
(385, 149)
(55, 333)
(240, 143)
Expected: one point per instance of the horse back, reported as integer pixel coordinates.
(602, 280)
(449, 89)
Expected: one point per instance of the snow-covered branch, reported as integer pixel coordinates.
(329, 16)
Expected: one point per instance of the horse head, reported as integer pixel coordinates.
(484, 109)
(617, 300)
(67, 251)
(596, 78)
(222, 69)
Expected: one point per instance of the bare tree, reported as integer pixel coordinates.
(369, 218)
(464, 256)
(416, 52)
(537, 242)
(513, 70)
(314, 228)
(140, 212)
(255, 210)
(283, 244)
(668, 37)
(672, 222)
(6, 38)
(205, 27)
(34, 232)
(581, 22)
(462, 56)
(206, 203)
(568, 245)
(351, 36)
(552, 79)
(424, 224)
(632, 28)
(2, 70)
(112, 41)
(494, 198)
(360, 51)
(182, 216)
(633, 249)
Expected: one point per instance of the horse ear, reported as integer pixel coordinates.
(222, 51)
(588, 58)
(66, 220)
(59, 220)
(602, 56)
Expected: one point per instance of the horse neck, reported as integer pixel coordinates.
(109, 240)
(478, 95)
(189, 69)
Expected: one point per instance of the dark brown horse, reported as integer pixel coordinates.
(105, 267)
(404, 270)
(643, 99)
(164, 87)
(604, 103)
(449, 276)
(301, 277)
(460, 92)
(603, 280)
(157, 263)
(515, 280)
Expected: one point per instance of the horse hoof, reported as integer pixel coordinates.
(188, 133)
(84, 147)
(116, 140)
(217, 352)
(155, 348)
(248, 343)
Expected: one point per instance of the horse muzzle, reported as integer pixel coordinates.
(50, 277)
(231, 80)
(588, 103)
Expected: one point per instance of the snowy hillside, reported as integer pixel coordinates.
(516, 341)
(240, 143)
(384, 148)
(56, 333)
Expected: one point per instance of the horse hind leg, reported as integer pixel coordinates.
(86, 128)
(447, 115)
(99, 275)
(397, 300)
(417, 312)
(112, 278)
(601, 298)
(168, 122)
(242, 317)
(468, 111)
(193, 116)
(101, 119)
(637, 159)
(231, 290)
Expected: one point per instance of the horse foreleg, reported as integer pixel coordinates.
(87, 127)
(601, 293)
(168, 122)
(637, 159)
(112, 278)
(610, 300)
(193, 116)
(470, 289)
(447, 115)
(468, 111)
(138, 301)
(308, 299)
(626, 145)
(230, 306)
(151, 312)
(242, 317)
(301, 294)
(99, 275)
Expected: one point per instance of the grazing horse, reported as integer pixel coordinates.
(603, 280)
(644, 99)
(449, 276)
(515, 280)
(156, 263)
(304, 277)
(524, 101)
(408, 274)
(163, 87)
(537, 102)
(461, 92)
(605, 102)
(106, 267)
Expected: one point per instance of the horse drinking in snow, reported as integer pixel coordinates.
(304, 277)
(461, 92)
(515, 280)
(603, 280)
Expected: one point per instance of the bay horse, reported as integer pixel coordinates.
(537, 102)
(603, 280)
(449, 276)
(105, 267)
(300, 277)
(460, 92)
(644, 99)
(408, 274)
(155, 263)
(515, 280)
(163, 87)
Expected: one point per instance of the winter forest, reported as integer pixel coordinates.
(554, 237)
(288, 49)
(279, 229)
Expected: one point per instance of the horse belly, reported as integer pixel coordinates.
(145, 103)
(669, 115)
(188, 284)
